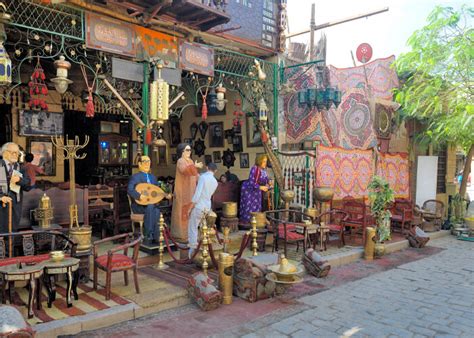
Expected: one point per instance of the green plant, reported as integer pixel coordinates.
(458, 209)
(380, 197)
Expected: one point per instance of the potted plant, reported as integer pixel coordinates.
(380, 197)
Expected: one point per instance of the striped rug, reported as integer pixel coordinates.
(89, 301)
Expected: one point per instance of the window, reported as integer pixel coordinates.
(441, 177)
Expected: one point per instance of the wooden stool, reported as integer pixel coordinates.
(231, 222)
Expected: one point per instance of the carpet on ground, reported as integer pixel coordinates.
(89, 301)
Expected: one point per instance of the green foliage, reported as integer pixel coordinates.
(437, 76)
(380, 197)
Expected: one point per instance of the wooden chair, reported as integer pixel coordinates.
(285, 228)
(115, 262)
(335, 220)
(433, 212)
(136, 218)
(357, 216)
(101, 203)
(402, 214)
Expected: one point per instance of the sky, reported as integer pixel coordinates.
(387, 32)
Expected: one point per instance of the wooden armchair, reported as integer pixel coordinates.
(115, 262)
(402, 214)
(335, 220)
(284, 227)
(357, 216)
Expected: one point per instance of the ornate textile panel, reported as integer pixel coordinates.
(395, 169)
(303, 123)
(348, 172)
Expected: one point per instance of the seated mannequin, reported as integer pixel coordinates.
(151, 211)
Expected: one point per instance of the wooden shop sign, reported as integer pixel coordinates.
(196, 58)
(110, 35)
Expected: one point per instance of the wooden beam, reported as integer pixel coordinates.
(154, 10)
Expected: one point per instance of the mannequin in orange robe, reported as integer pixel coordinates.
(184, 187)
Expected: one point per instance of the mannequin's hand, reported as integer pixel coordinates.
(15, 179)
(263, 188)
(198, 164)
(6, 199)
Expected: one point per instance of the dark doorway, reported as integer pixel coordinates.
(89, 170)
(5, 124)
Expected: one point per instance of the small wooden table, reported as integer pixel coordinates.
(323, 233)
(26, 273)
(68, 266)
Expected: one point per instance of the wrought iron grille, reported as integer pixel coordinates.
(233, 63)
(54, 19)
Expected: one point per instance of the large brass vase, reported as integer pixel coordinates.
(82, 236)
(229, 209)
(323, 194)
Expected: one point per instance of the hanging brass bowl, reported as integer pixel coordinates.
(323, 194)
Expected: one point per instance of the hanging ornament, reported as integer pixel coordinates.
(220, 100)
(37, 88)
(90, 109)
(148, 137)
(159, 98)
(238, 120)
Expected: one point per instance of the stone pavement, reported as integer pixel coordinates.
(430, 296)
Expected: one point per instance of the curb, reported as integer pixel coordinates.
(117, 314)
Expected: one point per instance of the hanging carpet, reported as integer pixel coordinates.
(394, 168)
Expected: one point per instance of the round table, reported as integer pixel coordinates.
(25, 273)
(68, 266)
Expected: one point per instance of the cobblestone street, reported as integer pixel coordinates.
(429, 297)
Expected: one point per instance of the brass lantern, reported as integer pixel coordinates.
(262, 110)
(159, 99)
(5, 62)
(5, 67)
(44, 212)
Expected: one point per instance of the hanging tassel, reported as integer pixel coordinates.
(204, 110)
(264, 137)
(90, 106)
(148, 137)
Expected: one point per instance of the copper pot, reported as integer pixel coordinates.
(323, 194)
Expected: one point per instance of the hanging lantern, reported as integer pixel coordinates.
(262, 110)
(162, 100)
(221, 101)
(154, 100)
(61, 82)
(5, 67)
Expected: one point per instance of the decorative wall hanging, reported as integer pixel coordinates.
(238, 120)
(395, 168)
(199, 147)
(90, 99)
(216, 134)
(207, 159)
(193, 129)
(38, 89)
(229, 135)
(228, 158)
(203, 126)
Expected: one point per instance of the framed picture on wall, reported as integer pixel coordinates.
(298, 178)
(207, 159)
(237, 144)
(175, 131)
(40, 123)
(244, 160)
(254, 138)
(216, 134)
(44, 155)
(217, 157)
